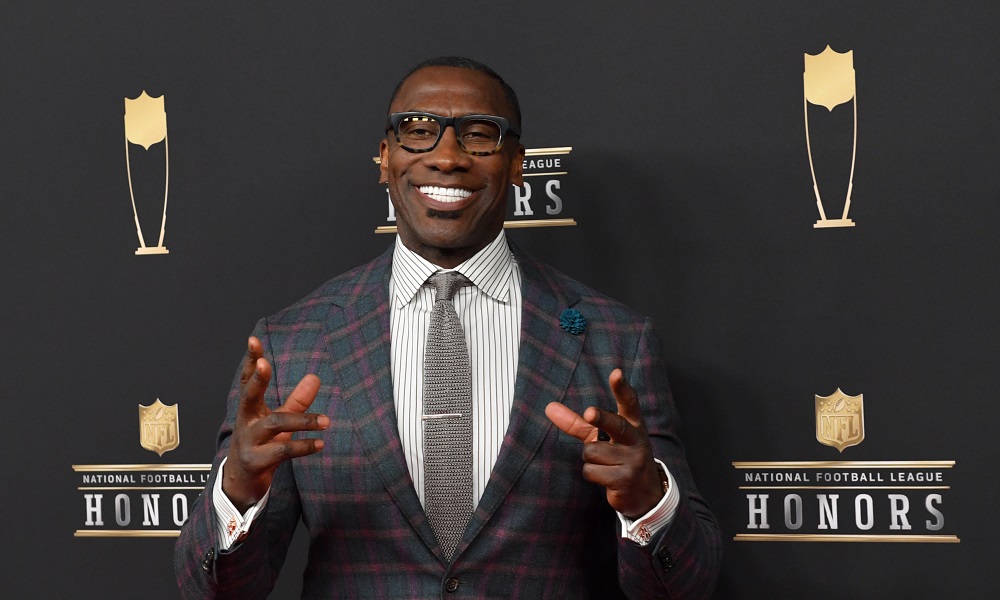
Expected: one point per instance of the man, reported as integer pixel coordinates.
(334, 418)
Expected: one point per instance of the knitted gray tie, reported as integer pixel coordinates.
(447, 418)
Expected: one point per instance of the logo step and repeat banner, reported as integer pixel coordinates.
(845, 500)
(780, 251)
(902, 501)
(142, 500)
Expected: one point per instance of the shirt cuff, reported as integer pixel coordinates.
(645, 527)
(232, 525)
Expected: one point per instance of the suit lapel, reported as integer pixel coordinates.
(358, 337)
(546, 360)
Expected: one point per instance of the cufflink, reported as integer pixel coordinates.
(642, 536)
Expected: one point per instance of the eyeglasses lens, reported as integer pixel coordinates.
(474, 135)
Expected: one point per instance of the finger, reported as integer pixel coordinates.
(277, 452)
(280, 425)
(252, 394)
(606, 475)
(628, 402)
(255, 350)
(569, 422)
(302, 396)
(616, 426)
(609, 454)
(261, 460)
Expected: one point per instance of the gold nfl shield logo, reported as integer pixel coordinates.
(158, 430)
(840, 420)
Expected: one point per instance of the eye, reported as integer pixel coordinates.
(418, 128)
(478, 133)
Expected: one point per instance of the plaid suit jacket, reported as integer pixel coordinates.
(539, 531)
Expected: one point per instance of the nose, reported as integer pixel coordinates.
(448, 154)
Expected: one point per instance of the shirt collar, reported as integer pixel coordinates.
(490, 270)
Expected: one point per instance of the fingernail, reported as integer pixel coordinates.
(323, 421)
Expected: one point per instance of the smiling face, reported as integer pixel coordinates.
(450, 204)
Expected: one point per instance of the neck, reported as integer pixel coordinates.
(446, 258)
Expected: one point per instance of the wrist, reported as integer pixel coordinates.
(655, 494)
(642, 529)
(236, 490)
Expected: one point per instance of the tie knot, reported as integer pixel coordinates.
(446, 284)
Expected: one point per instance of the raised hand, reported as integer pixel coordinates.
(262, 438)
(624, 464)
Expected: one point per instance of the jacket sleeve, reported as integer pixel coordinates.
(249, 569)
(683, 559)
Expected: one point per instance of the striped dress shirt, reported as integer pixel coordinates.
(490, 313)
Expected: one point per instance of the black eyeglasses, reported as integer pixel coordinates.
(479, 135)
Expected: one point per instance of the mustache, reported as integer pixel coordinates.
(443, 214)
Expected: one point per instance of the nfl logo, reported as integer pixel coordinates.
(840, 420)
(158, 429)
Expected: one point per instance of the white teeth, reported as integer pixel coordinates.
(444, 194)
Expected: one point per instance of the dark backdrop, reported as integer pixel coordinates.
(688, 179)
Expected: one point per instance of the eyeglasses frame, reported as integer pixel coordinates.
(395, 119)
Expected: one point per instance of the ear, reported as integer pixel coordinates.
(517, 167)
(383, 161)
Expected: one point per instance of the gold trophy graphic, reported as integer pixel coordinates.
(146, 125)
(828, 80)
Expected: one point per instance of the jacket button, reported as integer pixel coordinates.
(206, 564)
(451, 585)
(666, 562)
